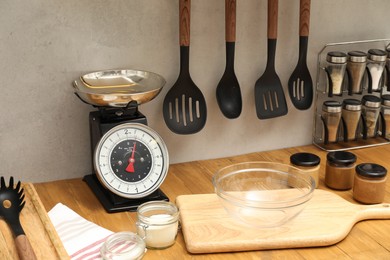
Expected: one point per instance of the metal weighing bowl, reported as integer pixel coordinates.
(263, 194)
(116, 88)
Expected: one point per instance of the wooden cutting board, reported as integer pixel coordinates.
(326, 220)
(38, 228)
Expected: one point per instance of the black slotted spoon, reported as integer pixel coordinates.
(184, 106)
(12, 203)
(300, 84)
(269, 94)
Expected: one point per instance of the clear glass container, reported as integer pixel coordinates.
(370, 110)
(370, 183)
(356, 66)
(340, 170)
(376, 63)
(335, 68)
(385, 110)
(331, 116)
(123, 246)
(352, 109)
(157, 223)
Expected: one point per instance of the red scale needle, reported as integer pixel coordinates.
(130, 167)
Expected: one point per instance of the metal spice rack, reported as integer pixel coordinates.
(322, 94)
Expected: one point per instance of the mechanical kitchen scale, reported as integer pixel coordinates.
(129, 159)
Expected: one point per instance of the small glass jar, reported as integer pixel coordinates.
(123, 246)
(335, 68)
(340, 170)
(308, 163)
(356, 66)
(376, 63)
(385, 110)
(331, 116)
(370, 110)
(157, 223)
(370, 183)
(352, 110)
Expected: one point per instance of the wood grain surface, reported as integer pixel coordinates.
(326, 220)
(185, 22)
(304, 17)
(230, 20)
(38, 228)
(272, 18)
(367, 239)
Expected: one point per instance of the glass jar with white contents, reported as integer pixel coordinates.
(335, 68)
(157, 223)
(376, 63)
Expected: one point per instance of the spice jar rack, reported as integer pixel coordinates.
(325, 89)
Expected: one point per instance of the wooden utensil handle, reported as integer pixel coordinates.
(272, 19)
(24, 248)
(184, 16)
(230, 20)
(304, 17)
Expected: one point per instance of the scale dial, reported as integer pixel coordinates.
(131, 160)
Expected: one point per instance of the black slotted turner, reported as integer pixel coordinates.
(269, 95)
(300, 84)
(184, 106)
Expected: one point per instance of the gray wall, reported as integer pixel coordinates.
(46, 44)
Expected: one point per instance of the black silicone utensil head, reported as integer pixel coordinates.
(11, 204)
(269, 94)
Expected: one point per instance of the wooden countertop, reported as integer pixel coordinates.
(367, 240)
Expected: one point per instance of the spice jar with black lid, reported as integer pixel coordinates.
(356, 66)
(370, 183)
(340, 170)
(352, 109)
(331, 116)
(370, 110)
(308, 163)
(335, 68)
(376, 63)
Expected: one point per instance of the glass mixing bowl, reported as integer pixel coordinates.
(263, 194)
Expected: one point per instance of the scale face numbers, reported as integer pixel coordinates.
(131, 160)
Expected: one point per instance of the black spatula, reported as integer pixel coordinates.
(300, 84)
(184, 107)
(269, 95)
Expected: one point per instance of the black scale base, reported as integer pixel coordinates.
(113, 203)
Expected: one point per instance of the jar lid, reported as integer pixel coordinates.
(123, 245)
(336, 57)
(158, 212)
(305, 159)
(371, 101)
(386, 100)
(331, 106)
(352, 104)
(371, 170)
(341, 157)
(357, 56)
(377, 55)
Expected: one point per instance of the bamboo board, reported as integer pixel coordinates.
(326, 220)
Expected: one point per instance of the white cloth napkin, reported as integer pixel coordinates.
(81, 238)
